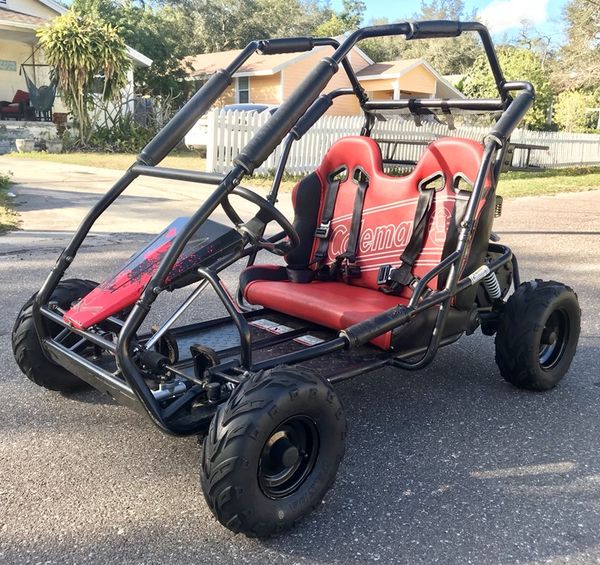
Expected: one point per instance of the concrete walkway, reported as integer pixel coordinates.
(56, 196)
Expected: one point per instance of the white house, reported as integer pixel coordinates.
(18, 21)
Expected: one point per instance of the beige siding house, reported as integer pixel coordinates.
(18, 21)
(270, 79)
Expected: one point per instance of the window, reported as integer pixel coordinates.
(243, 90)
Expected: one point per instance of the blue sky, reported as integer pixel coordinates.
(502, 16)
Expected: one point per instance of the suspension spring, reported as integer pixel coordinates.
(492, 286)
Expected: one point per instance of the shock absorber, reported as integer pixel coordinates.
(492, 286)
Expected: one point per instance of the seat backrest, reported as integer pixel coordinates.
(389, 205)
(20, 97)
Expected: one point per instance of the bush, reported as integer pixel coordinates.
(572, 111)
(80, 48)
(124, 135)
(8, 217)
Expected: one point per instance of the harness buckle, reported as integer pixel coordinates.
(350, 271)
(383, 276)
(395, 278)
(322, 232)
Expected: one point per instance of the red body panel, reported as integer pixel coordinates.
(123, 289)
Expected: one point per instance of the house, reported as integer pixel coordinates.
(270, 79)
(18, 21)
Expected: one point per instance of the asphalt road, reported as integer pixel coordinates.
(448, 465)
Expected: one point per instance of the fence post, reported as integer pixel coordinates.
(211, 140)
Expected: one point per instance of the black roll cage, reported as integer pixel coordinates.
(291, 120)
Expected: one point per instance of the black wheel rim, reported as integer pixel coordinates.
(554, 339)
(288, 457)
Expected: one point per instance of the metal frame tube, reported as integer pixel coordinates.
(483, 105)
(177, 174)
(238, 318)
(176, 315)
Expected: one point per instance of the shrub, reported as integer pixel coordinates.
(83, 48)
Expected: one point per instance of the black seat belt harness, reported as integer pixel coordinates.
(346, 262)
(394, 279)
(324, 228)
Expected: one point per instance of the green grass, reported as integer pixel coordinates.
(513, 184)
(8, 217)
(548, 182)
(121, 161)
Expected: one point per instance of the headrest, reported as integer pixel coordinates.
(452, 156)
(351, 152)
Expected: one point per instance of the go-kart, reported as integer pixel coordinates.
(376, 269)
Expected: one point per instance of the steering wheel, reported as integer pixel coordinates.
(253, 229)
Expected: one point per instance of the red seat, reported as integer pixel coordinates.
(334, 304)
(387, 218)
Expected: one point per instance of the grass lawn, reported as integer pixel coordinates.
(183, 160)
(513, 184)
(8, 217)
(551, 181)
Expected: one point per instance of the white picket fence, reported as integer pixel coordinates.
(228, 133)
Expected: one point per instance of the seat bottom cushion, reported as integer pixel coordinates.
(11, 109)
(335, 305)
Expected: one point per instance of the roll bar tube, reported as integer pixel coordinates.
(511, 118)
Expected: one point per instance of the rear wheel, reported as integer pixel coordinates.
(272, 451)
(537, 335)
(26, 345)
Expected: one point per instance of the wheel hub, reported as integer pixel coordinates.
(284, 453)
(288, 457)
(554, 339)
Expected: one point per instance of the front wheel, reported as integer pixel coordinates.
(537, 335)
(27, 348)
(272, 451)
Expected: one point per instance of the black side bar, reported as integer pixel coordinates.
(363, 332)
(512, 117)
(177, 174)
(435, 29)
(316, 110)
(286, 45)
(416, 104)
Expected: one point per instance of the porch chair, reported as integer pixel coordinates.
(17, 109)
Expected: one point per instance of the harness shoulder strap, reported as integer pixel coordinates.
(346, 261)
(395, 279)
(323, 230)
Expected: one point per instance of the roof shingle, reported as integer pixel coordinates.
(388, 68)
(210, 63)
(7, 15)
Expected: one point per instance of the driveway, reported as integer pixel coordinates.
(448, 465)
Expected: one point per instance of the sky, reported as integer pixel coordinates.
(503, 17)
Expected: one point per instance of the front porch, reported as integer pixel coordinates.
(18, 47)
